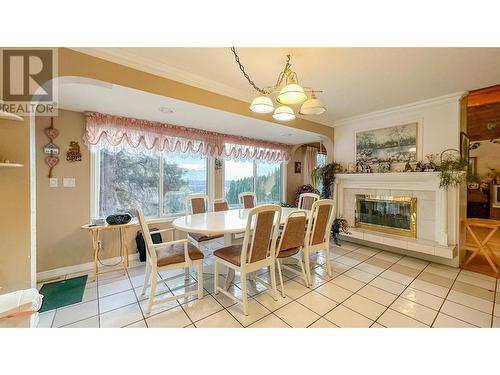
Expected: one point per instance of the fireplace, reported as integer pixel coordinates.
(388, 214)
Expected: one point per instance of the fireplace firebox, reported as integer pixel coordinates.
(388, 214)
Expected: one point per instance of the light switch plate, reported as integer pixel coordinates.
(53, 182)
(69, 182)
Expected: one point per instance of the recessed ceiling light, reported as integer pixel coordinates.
(166, 110)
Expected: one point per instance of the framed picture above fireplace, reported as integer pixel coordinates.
(395, 144)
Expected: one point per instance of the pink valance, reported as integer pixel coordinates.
(116, 133)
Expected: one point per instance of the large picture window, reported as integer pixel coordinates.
(265, 179)
(158, 184)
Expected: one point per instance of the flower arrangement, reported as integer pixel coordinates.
(304, 189)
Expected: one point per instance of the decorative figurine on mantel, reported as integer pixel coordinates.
(419, 167)
(408, 167)
(431, 166)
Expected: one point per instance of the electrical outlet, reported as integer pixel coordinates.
(53, 182)
(69, 182)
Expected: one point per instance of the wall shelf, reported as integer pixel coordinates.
(11, 165)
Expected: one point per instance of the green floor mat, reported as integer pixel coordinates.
(62, 293)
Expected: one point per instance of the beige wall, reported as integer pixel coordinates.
(60, 210)
(15, 224)
(294, 180)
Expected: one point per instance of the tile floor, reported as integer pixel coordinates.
(369, 288)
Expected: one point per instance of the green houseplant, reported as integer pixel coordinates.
(326, 176)
(452, 169)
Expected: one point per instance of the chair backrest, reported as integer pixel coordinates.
(320, 222)
(247, 199)
(221, 205)
(261, 233)
(294, 231)
(306, 200)
(196, 204)
(148, 241)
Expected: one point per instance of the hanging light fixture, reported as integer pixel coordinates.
(262, 104)
(283, 113)
(312, 106)
(290, 94)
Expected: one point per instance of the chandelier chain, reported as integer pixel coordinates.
(268, 89)
(242, 68)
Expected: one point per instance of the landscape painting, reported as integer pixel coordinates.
(395, 144)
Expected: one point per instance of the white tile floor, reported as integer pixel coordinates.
(369, 288)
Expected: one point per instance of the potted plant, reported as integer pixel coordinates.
(340, 225)
(326, 176)
(452, 169)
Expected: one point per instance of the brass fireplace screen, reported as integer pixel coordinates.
(396, 215)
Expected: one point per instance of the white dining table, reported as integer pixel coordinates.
(227, 223)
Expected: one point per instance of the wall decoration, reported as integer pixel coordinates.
(50, 148)
(397, 144)
(464, 146)
(298, 167)
(218, 163)
(73, 154)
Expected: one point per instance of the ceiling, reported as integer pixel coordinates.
(77, 94)
(355, 80)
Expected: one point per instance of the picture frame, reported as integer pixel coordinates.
(464, 146)
(298, 167)
(397, 144)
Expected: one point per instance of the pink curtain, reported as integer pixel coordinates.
(115, 133)
(309, 163)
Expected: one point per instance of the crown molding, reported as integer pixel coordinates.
(450, 98)
(158, 68)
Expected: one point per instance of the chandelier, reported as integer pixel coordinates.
(289, 92)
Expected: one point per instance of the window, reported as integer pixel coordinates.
(158, 184)
(182, 176)
(265, 179)
(268, 182)
(320, 160)
(238, 178)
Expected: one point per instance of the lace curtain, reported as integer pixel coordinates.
(115, 133)
(309, 162)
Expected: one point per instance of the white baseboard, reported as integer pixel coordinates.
(84, 267)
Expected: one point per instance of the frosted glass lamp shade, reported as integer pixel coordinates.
(313, 106)
(262, 104)
(291, 94)
(283, 113)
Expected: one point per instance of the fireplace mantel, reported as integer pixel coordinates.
(445, 210)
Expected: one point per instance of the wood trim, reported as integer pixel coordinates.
(487, 95)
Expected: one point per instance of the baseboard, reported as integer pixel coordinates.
(84, 267)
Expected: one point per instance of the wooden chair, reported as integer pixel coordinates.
(306, 200)
(256, 252)
(221, 205)
(198, 204)
(168, 256)
(481, 233)
(247, 199)
(290, 244)
(319, 226)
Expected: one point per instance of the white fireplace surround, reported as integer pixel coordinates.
(437, 209)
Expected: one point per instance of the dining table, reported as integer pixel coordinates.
(228, 223)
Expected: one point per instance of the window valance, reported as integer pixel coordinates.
(115, 133)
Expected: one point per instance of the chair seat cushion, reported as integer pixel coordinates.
(199, 237)
(231, 254)
(174, 253)
(288, 252)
